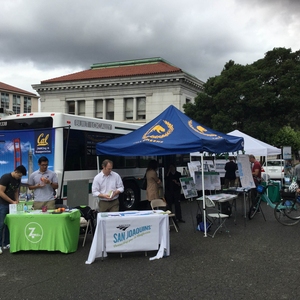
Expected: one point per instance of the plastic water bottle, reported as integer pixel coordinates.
(25, 208)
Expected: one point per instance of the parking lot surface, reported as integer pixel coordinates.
(259, 261)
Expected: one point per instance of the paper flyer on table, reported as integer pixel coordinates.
(15, 208)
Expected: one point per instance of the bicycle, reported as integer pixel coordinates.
(286, 211)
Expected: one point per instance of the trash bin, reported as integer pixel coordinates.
(274, 191)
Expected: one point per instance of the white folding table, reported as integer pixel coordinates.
(129, 232)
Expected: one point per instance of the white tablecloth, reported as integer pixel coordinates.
(220, 197)
(129, 232)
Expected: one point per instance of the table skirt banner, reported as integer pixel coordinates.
(137, 234)
(44, 231)
(129, 232)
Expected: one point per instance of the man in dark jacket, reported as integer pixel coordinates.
(173, 191)
(230, 176)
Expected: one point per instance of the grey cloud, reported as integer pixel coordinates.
(196, 35)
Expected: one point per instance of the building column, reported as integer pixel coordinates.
(104, 108)
(75, 107)
(134, 108)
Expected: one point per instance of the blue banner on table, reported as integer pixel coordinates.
(138, 234)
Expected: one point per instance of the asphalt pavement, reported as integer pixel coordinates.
(260, 260)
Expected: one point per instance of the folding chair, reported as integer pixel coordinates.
(216, 216)
(87, 222)
(159, 203)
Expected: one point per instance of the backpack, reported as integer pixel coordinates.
(200, 223)
(88, 214)
(200, 226)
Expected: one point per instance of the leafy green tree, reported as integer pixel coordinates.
(258, 99)
(287, 136)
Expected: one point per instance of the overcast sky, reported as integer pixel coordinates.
(43, 39)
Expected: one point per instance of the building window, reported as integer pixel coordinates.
(71, 107)
(128, 108)
(81, 107)
(188, 100)
(99, 108)
(4, 100)
(16, 104)
(141, 108)
(27, 104)
(110, 109)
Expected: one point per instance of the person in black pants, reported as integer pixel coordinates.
(173, 191)
(230, 177)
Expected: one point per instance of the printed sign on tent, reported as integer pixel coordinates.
(244, 168)
(211, 181)
(188, 187)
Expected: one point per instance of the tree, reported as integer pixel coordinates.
(287, 136)
(258, 99)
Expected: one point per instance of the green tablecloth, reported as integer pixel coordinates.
(44, 231)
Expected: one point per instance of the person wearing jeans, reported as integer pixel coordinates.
(9, 194)
(4, 210)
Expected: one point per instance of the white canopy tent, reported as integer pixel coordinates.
(254, 146)
(251, 146)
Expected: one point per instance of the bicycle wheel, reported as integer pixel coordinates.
(254, 208)
(287, 212)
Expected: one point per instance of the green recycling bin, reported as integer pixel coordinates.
(273, 191)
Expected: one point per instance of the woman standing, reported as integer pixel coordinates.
(153, 182)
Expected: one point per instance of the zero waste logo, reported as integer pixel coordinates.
(34, 232)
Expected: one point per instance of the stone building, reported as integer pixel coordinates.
(132, 91)
(16, 101)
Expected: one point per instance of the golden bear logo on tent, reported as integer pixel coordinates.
(160, 130)
(202, 130)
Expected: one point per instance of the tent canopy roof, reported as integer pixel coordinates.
(171, 132)
(254, 146)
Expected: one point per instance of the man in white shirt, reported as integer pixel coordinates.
(43, 182)
(107, 186)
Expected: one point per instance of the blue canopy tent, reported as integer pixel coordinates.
(171, 132)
